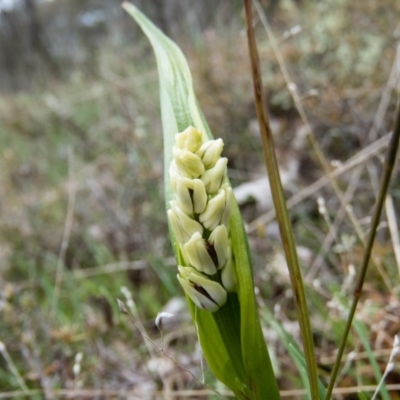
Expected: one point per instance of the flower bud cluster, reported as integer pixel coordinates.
(199, 217)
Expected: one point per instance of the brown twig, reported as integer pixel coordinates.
(282, 214)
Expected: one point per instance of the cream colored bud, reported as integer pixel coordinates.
(217, 209)
(204, 292)
(191, 195)
(182, 225)
(198, 255)
(214, 177)
(188, 164)
(190, 139)
(228, 274)
(219, 240)
(228, 206)
(210, 152)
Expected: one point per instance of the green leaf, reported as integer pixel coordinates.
(231, 338)
(363, 334)
(362, 396)
(294, 351)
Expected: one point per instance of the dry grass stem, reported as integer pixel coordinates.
(361, 157)
(393, 228)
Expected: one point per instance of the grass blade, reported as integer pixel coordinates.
(362, 333)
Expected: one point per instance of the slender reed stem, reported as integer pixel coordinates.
(281, 209)
(380, 201)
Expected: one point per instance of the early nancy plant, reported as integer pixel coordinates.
(210, 244)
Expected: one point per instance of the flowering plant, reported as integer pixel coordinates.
(207, 232)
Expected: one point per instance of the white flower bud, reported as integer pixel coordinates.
(191, 195)
(218, 209)
(228, 206)
(197, 253)
(202, 202)
(219, 240)
(210, 152)
(214, 177)
(228, 274)
(182, 225)
(190, 139)
(187, 163)
(204, 292)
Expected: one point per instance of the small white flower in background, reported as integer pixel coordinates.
(199, 217)
(160, 317)
(77, 364)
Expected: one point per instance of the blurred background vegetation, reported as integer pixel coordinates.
(81, 193)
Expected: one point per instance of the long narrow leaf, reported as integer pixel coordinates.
(293, 349)
(362, 333)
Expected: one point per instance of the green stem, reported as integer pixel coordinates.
(384, 186)
(281, 209)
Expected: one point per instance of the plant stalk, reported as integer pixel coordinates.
(380, 201)
(282, 214)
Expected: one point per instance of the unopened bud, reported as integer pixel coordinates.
(196, 252)
(182, 225)
(228, 274)
(218, 209)
(191, 195)
(190, 139)
(188, 164)
(204, 292)
(214, 177)
(219, 240)
(228, 206)
(210, 152)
